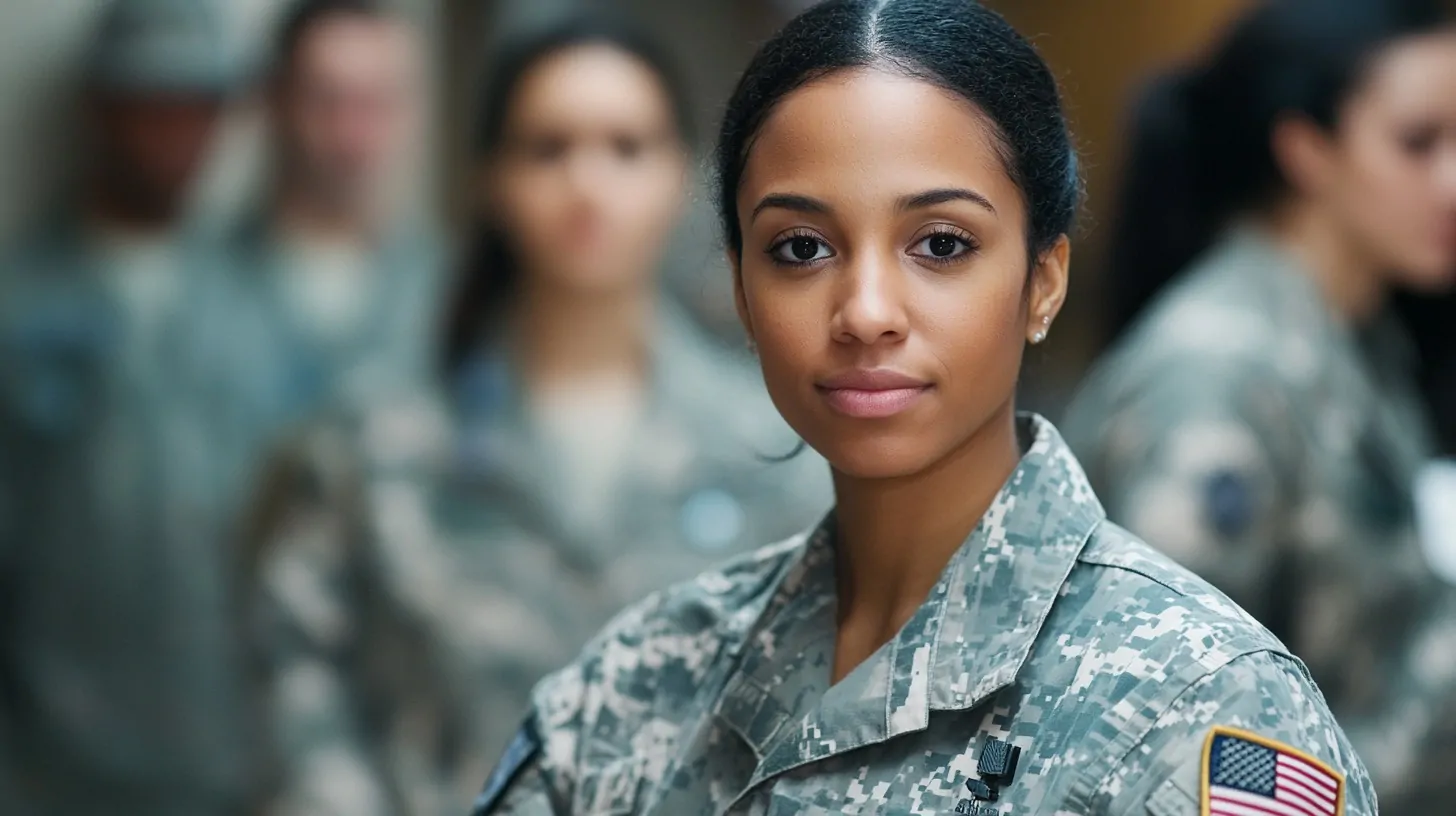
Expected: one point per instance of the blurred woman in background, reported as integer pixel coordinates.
(424, 562)
(1259, 417)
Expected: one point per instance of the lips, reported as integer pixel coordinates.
(871, 393)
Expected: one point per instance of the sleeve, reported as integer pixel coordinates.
(545, 770)
(1255, 734)
(1203, 462)
(535, 776)
(306, 629)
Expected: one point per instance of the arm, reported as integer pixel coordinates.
(1204, 462)
(306, 626)
(1259, 698)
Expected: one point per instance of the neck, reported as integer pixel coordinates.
(897, 535)
(1349, 280)
(301, 212)
(573, 337)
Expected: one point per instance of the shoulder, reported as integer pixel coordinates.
(675, 634)
(1171, 661)
(1127, 586)
(334, 457)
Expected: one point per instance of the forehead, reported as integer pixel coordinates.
(356, 46)
(591, 86)
(867, 134)
(1415, 77)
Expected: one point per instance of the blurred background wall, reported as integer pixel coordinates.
(1101, 51)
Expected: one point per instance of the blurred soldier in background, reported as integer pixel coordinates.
(345, 263)
(1260, 419)
(122, 453)
(427, 560)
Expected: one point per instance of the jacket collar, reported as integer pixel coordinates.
(968, 640)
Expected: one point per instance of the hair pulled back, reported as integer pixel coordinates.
(1201, 149)
(490, 273)
(957, 45)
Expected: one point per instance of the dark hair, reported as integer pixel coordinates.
(303, 15)
(1201, 151)
(489, 275)
(957, 45)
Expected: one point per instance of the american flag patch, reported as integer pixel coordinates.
(1247, 775)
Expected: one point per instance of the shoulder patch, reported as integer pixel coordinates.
(1228, 503)
(523, 747)
(1244, 773)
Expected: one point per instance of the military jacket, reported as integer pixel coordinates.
(391, 346)
(1052, 634)
(1245, 431)
(426, 564)
(126, 448)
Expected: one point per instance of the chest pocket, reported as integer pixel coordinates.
(611, 790)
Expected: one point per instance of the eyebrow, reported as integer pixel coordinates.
(790, 201)
(929, 198)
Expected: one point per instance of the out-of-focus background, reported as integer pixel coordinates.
(317, 453)
(1102, 52)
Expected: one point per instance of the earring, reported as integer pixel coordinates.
(1041, 334)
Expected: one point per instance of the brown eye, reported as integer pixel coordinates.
(941, 247)
(1419, 142)
(628, 148)
(800, 249)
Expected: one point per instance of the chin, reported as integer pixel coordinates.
(877, 457)
(1432, 279)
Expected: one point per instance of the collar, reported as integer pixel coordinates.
(967, 641)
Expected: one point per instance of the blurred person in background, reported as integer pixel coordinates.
(1259, 417)
(425, 560)
(340, 256)
(122, 453)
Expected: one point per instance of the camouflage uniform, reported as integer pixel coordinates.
(125, 447)
(1244, 431)
(390, 345)
(1050, 631)
(425, 566)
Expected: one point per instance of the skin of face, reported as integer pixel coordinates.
(590, 177)
(1387, 175)
(870, 177)
(348, 107)
(152, 147)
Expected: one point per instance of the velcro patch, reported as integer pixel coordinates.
(1244, 773)
(522, 749)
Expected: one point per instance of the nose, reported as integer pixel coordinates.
(1443, 172)
(588, 171)
(870, 308)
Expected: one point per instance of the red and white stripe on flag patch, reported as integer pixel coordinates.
(1245, 774)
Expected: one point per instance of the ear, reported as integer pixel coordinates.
(740, 300)
(1303, 152)
(1048, 289)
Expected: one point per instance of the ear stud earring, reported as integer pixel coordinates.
(1041, 334)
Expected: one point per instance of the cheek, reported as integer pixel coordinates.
(530, 203)
(1392, 202)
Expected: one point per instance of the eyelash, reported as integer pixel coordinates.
(965, 239)
(793, 235)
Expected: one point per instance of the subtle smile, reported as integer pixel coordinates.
(871, 393)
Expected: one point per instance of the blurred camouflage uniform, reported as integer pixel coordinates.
(125, 447)
(425, 563)
(387, 346)
(1050, 631)
(1245, 432)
